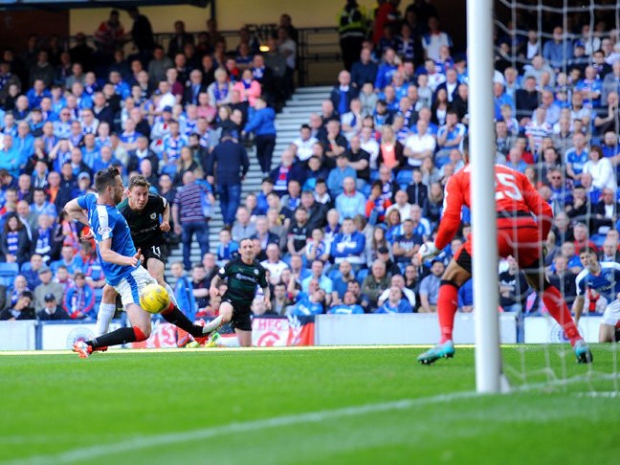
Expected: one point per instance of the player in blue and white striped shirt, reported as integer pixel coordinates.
(604, 278)
(120, 262)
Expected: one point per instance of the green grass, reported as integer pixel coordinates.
(175, 408)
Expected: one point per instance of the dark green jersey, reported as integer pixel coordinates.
(243, 279)
(144, 225)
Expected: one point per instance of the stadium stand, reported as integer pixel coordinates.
(377, 147)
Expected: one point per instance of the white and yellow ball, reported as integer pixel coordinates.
(154, 298)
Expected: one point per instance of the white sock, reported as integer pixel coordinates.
(212, 325)
(104, 317)
(173, 298)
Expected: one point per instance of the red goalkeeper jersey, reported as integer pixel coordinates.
(517, 203)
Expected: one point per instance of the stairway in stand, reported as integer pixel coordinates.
(295, 113)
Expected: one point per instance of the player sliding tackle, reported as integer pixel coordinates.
(245, 275)
(518, 235)
(120, 263)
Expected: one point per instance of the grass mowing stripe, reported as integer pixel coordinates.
(141, 443)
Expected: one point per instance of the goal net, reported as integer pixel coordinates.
(554, 70)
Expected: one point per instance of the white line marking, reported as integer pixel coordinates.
(141, 443)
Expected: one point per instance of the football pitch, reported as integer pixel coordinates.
(340, 406)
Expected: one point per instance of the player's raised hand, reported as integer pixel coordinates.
(427, 251)
(164, 226)
(213, 292)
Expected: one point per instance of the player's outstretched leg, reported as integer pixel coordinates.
(556, 306)
(140, 331)
(174, 315)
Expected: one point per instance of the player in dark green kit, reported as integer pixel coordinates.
(244, 275)
(142, 210)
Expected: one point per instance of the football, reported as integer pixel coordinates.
(154, 298)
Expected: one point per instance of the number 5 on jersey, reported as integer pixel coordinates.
(506, 187)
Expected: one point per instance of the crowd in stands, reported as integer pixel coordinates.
(340, 218)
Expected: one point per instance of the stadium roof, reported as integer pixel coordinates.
(71, 4)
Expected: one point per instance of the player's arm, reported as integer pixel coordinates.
(108, 255)
(76, 212)
(451, 220)
(537, 206)
(578, 305)
(175, 217)
(165, 216)
(213, 292)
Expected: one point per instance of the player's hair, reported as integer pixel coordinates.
(243, 240)
(589, 250)
(106, 177)
(139, 181)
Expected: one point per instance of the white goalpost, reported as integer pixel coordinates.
(482, 157)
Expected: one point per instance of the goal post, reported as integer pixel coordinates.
(482, 158)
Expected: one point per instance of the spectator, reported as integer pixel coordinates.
(298, 233)
(375, 282)
(243, 228)
(434, 39)
(274, 264)
(310, 303)
(282, 174)
(395, 302)
(184, 293)
(611, 82)
(280, 300)
(179, 39)
(557, 50)
(79, 302)
(349, 245)
(406, 245)
(429, 288)
(563, 279)
(363, 71)
(46, 287)
(527, 97)
(352, 31)
(513, 288)
(338, 174)
(70, 260)
(188, 217)
(419, 146)
(342, 94)
(350, 202)
(229, 163)
(263, 234)
(576, 157)
(262, 123)
(109, 34)
(15, 241)
(51, 311)
(141, 32)
(20, 310)
(349, 306)
(302, 147)
(317, 248)
(325, 283)
(601, 169)
(402, 205)
(609, 252)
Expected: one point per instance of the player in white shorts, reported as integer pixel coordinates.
(119, 261)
